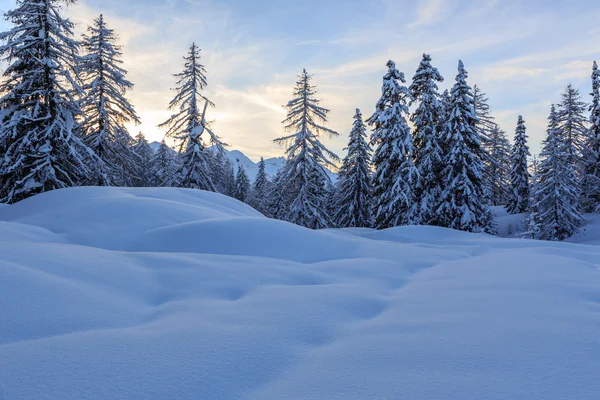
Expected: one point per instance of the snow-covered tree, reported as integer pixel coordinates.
(188, 124)
(590, 183)
(533, 221)
(39, 135)
(144, 156)
(427, 152)
(558, 195)
(395, 174)
(572, 120)
(278, 197)
(105, 108)
(304, 176)
(462, 203)
(497, 173)
(261, 189)
(164, 166)
(519, 195)
(352, 201)
(242, 185)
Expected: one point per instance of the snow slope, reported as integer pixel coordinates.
(109, 293)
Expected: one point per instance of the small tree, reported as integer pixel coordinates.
(242, 185)
(395, 174)
(304, 176)
(164, 166)
(261, 189)
(557, 196)
(144, 156)
(519, 174)
(497, 173)
(352, 202)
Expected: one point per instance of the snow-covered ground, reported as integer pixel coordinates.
(110, 293)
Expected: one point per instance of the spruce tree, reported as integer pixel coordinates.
(164, 166)
(104, 104)
(557, 196)
(533, 221)
(352, 203)
(39, 135)
(144, 156)
(278, 197)
(519, 174)
(242, 185)
(261, 190)
(188, 124)
(395, 174)
(590, 183)
(304, 176)
(428, 154)
(462, 203)
(497, 173)
(572, 120)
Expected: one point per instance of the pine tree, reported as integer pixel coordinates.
(189, 123)
(395, 174)
(144, 155)
(242, 185)
(164, 166)
(557, 196)
(304, 176)
(590, 184)
(428, 154)
(533, 221)
(278, 197)
(39, 135)
(352, 201)
(104, 104)
(462, 204)
(573, 124)
(519, 174)
(261, 190)
(497, 173)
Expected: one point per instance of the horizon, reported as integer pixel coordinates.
(519, 54)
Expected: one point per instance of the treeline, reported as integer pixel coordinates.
(64, 112)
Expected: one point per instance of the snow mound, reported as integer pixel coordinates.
(109, 293)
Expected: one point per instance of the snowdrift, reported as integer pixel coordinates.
(110, 293)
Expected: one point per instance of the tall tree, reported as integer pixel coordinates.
(261, 189)
(462, 203)
(164, 166)
(352, 203)
(395, 174)
(104, 104)
(557, 196)
(533, 221)
(242, 185)
(39, 136)
(427, 152)
(590, 183)
(304, 173)
(497, 173)
(519, 174)
(572, 123)
(188, 124)
(144, 156)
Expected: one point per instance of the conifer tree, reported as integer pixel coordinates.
(462, 203)
(395, 174)
(144, 156)
(278, 197)
(590, 184)
(352, 202)
(533, 221)
(164, 166)
(428, 154)
(242, 185)
(39, 135)
(519, 174)
(497, 173)
(104, 104)
(572, 120)
(261, 189)
(189, 123)
(304, 176)
(557, 196)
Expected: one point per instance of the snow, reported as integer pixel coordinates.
(112, 293)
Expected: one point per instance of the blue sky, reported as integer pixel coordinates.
(521, 53)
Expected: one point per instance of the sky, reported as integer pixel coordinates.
(522, 53)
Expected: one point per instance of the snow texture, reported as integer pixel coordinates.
(111, 293)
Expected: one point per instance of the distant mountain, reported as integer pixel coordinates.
(237, 158)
